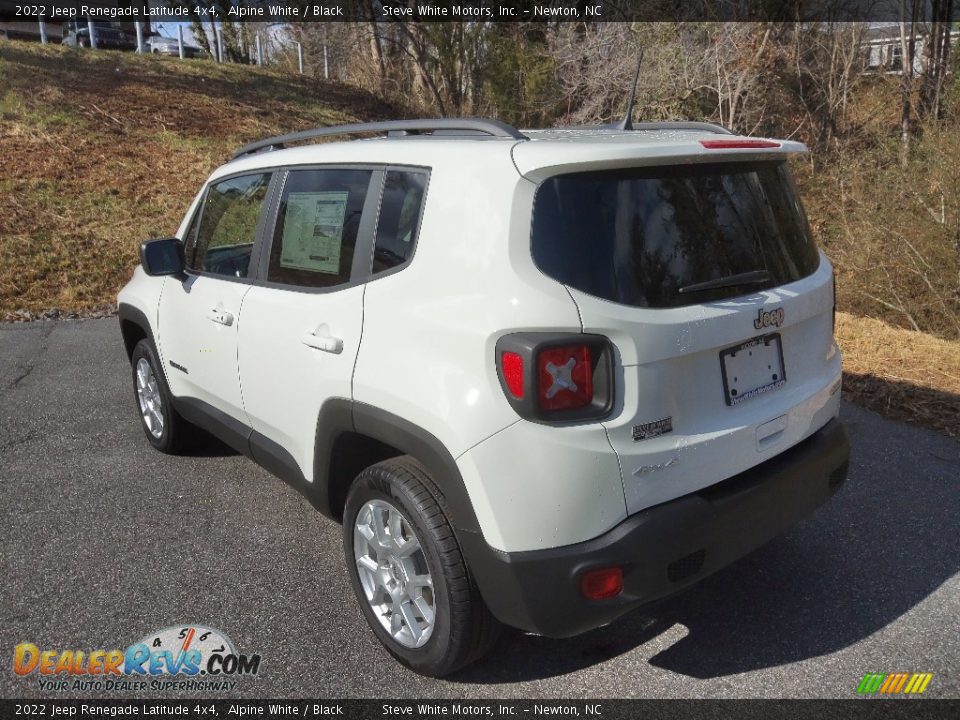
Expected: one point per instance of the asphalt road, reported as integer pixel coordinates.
(106, 540)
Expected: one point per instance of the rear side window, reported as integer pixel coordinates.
(317, 225)
(638, 236)
(228, 226)
(399, 219)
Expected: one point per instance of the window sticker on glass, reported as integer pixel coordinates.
(313, 231)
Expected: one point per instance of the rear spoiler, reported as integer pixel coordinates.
(544, 158)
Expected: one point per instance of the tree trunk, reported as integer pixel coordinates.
(376, 53)
(421, 58)
(938, 56)
(907, 50)
(216, 41)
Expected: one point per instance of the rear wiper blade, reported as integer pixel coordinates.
(753, 277)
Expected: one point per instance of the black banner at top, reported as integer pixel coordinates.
(274, 11)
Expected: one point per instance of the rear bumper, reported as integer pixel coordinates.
(662, 549)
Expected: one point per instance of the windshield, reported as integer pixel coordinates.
(638, 236)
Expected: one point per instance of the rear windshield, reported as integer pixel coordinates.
(638, 236)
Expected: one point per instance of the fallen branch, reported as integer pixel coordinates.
(901, 310)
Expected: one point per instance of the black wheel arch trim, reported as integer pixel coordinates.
(339, 415)
(128, 313)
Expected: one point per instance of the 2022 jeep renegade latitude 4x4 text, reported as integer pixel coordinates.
(541, 377)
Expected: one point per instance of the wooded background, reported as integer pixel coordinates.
(882, 182)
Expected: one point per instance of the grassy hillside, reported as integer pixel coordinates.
(892, 230)
(904, 374)
(101, 149)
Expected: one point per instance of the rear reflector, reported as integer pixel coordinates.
(512, 365)
(734, 144)
(602, 584)
(687, 566)
(565, 377)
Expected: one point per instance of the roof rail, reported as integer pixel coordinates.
(493, 128)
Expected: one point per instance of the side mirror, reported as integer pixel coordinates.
(162, 257)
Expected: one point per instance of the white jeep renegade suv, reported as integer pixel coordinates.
(542, 378)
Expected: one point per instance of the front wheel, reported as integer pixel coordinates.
(166, 430)
(409, 574)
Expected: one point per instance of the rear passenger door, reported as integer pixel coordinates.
(302, 321)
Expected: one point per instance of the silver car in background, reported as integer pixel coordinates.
(160, 45)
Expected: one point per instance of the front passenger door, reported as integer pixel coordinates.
(199, 317)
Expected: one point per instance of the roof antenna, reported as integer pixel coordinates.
(627, 122)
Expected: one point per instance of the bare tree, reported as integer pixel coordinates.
(909, 18)
(937, 56)
(825, 67)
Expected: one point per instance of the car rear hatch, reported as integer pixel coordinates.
(698, 264)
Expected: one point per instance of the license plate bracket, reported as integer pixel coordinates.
(752, 368)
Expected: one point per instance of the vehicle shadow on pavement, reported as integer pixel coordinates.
(882, 546)
(879, 548)
(210, 447)
(520, 657)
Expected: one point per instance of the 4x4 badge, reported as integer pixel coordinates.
(766, 318)
(644, 469)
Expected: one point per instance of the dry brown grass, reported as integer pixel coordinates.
(903, 374)
(100, 150)
(891, 231)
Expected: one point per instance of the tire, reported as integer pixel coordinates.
(165, 429)
(463, 629)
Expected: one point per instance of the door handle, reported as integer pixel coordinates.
(322, 340)
(221, 316)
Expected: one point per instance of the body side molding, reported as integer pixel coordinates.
(216, 422)
(266, 453)
(273, 458)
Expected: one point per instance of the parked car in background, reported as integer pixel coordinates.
(160, 45)
(76, 33)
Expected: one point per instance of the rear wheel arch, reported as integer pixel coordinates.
(350, 454)
(352, 436)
